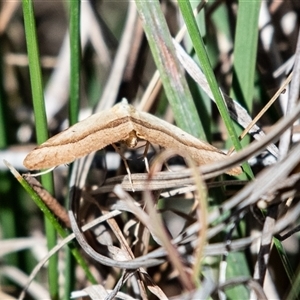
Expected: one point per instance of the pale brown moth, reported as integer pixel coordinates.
(120, 123)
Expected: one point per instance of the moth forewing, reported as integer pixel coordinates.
(171, 137)
(89, 135)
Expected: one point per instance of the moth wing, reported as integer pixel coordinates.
(89, 135)
(169, 136)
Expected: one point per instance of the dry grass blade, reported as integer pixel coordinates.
(129, 264)
(36, 290)
(13, 245)
(61, 244)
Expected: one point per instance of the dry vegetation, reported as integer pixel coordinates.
(184, 232)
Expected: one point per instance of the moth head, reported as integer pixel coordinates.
(132, 139)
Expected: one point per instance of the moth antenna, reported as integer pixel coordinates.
(126, 165)
(145, 157)
(41, 173)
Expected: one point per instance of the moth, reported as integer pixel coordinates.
(120, 123)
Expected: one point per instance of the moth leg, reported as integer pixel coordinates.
(41, 173)
(126, 165)
(145, 156)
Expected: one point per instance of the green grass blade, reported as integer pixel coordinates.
(8, 215)
(294, 293)
(237, 266)
(74, 105)
(35, 72)
(3, 119)
(202, 55)
(199, 47)
(75, 53)
(245, 52)
(286, 264)
(41, 130)
(171, 72)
